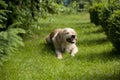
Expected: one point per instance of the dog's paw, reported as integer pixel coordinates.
(59, 57)
(72, 55)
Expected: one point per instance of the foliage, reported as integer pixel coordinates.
(9, 38)
(109, 17)
(95, 12)
(3, 14)
(9, 41)
(112, 25)
(56, 8)
(23, 12)
(114, 29)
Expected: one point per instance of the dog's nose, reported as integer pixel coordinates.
(73, 36)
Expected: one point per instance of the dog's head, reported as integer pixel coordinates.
(69, 35)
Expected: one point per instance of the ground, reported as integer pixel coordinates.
(95, 60)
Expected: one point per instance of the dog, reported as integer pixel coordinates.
(63, 40)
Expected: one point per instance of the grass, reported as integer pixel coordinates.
(37, 61)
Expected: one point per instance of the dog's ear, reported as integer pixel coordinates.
(60, 34)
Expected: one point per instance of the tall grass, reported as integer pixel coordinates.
(37, 61)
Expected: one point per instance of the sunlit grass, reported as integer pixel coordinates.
(37, 61)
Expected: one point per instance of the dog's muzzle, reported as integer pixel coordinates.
(72, 39)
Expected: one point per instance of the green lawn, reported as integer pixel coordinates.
(37, 61)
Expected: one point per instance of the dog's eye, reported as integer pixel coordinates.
(67, 33)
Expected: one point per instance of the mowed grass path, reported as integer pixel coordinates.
(37, 61)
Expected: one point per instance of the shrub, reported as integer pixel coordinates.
(113, 29)
(107, 11)
(12, 16)
(109, 17)
(56, 8)
(110, 23)
(9, 41)
(95, 13)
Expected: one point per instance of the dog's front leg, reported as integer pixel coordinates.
(58, 51)
(59, 54)
(74, 51)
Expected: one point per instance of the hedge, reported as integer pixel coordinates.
(113, 29)
(109, 18)
(95, 12)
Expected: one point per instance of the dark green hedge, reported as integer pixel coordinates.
(95, 12)
(113, 28)
(109, 18)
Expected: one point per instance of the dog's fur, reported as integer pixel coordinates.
(63, 40)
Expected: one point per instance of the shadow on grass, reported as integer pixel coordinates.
(93, 42)
(97, 31)
(110, 77)
(115, 76)
(83, 25)
(103, 56)
(47, 49)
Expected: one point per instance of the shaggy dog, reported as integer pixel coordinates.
(63, 40)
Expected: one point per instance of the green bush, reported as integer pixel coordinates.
(109, 17)
(16, 16)
(95, 13)
(110, 22)
(56, 8)
(113, 29)
(9, 35)
(3, 14)
(10, 40)
(108, 10)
